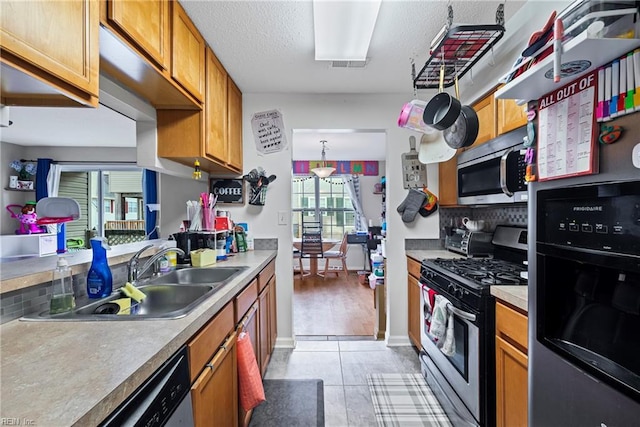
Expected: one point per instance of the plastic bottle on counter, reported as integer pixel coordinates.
(99, 279)
(164, 264)
(62, 298)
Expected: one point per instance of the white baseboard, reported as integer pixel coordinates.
(398, 341)
(285, 342)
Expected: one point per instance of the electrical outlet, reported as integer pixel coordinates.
(282, 217)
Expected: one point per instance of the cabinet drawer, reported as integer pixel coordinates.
(413, 267)
(206, 343)
(511, 325)
(245, 299)
(265, 275)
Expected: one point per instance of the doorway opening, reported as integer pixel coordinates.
(336, 304)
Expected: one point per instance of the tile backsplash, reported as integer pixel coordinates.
(492, 215)
(35, 299)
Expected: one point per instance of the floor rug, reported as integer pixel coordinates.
(405, 400)
(290, 403)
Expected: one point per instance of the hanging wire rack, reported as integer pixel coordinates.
(460, 48)
(457, 48)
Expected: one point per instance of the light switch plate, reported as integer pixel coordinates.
(282, 217)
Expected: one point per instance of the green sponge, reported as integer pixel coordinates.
(132, 292)
(125, 305)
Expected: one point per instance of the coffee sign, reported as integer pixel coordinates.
(228, 190)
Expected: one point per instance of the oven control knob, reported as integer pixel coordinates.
(451, 288)
(459, 292)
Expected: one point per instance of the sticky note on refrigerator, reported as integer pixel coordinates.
(607, 92)
(600, 105)
(631, 88)
(615, 79)
(622, 89)
(636, 78)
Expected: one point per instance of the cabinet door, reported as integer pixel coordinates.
(187, 53)
(216, 141)
(511, 385)
(486, 110)
(215, 393)
(145, 23)
(263, 327)
(53, 41)
(414, 310)
(273, 318)
(510, 115)
(448, 182)
(235, 126)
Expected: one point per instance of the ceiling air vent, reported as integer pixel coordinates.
(349, 64)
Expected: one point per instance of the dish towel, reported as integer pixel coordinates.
(439, 319)
(428, 297)
(442, 326)
(250, 387)
(449, 343)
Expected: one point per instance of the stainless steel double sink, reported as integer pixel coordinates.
(170, 296)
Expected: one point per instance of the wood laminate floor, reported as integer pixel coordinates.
(332, 306)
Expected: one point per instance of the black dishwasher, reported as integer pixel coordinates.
(163, 400)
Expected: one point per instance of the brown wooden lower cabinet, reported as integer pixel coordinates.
(214, 390)
(214, 394)
(263, 329)
(273, 318)
(511, 367)
(414, 311)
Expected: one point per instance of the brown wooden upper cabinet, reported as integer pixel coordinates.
(487, 128)
(510, 115)
(146, 23)
(216, 142)
(234, 106)
(49, 52)
(188, 53)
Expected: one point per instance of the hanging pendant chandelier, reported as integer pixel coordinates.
(325, 170)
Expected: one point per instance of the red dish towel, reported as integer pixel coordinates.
(249, 379)
(429, 299)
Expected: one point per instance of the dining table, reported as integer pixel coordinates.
(313, 261)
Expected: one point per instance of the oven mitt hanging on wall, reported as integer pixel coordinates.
(430, 203)
(411, 205)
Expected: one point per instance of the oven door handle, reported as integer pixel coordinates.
(460, 313)
(503, 173)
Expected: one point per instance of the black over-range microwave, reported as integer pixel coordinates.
(494, 172)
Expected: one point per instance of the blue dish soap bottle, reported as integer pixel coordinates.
(99, 279)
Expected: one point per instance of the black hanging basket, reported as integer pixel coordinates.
(459, 49)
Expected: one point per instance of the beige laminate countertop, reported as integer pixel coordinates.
(419, 255)
(77, 373)
(514, 295)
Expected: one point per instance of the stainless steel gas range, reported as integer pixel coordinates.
(464, 380)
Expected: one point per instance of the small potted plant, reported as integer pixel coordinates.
(26, 170)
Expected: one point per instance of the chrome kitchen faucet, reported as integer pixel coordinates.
(133, 266)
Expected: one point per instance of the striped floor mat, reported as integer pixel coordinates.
(405, 400)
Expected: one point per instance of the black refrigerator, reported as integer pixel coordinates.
(584, 292)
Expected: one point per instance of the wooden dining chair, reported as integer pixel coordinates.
(311, 244)
(340, 254)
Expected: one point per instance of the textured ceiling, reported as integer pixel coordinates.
(268, 46)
